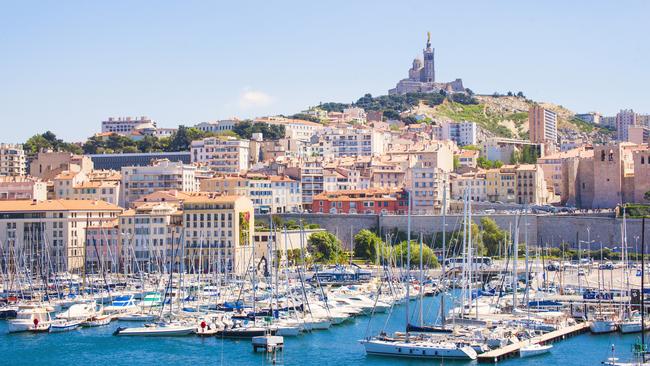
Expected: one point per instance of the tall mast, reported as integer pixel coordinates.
(408, 263)
(642, 283)
(444, 248)
(421, 281)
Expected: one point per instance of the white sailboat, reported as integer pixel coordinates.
(412, 346)
(535, 349)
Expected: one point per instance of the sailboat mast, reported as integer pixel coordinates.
(444, 249)
(642, 283)
(421, 281)
(408, 262)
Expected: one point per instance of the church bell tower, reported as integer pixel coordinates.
(428, 72)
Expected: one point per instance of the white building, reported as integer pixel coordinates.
(340, 142)
(223, 155)
(295, 129)
(138, 181)
(146, 234)
(624, 119)
(269, 193)
(462, 133)
(216, 126)
(12, 160)
(126, 125)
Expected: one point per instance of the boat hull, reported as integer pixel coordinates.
(417, 350)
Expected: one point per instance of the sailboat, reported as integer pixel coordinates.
(640, 350)
(408, 345)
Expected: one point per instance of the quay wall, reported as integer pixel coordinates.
(550, 230)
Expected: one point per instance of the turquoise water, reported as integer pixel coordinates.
(337, 346)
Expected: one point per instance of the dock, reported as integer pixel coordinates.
(512, 350)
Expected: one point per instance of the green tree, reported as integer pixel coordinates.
(492, 236)
(366, 245)
(484, 163)
(429, 259)
(324, 247)
(646, 196)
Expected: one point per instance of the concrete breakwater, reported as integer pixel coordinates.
(550, 230)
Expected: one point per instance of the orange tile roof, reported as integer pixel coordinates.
(57, 205)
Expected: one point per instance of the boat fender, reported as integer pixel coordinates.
(203, 324)
(35, 322)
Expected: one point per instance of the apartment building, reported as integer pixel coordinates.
(624, 119)
(501, 185)
(220, 154)
(12, 160)
(368, 201)
(103, 248)
(138, 181)
(22, 188)
(218, 229)
(309, 173)
(147, 233)
(542, 125)
(57, 227)
(48, 164)
(531, 186)
(427, 185)
(269, 193)
(474, 182)
(125, 125)
(217, 126)
(349, 141)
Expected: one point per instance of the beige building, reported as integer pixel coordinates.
(218, 229)
(12, 160)
(22, 188)
(604, 180)
(542, 125)
(58, 227)
(146, 235)
(501, 185)
(531, 186)
(474, 182)
(552, 166)
(48, 165)
(138, 181)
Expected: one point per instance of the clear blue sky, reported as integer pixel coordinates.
(66, 65)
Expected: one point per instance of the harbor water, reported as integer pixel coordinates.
(336, 346)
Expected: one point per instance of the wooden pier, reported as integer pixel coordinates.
(512, 350)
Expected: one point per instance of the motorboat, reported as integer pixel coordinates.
(30, 318)
(59, 326)
(97, 321)
(80, 311)
(122, 304)
(536, 349)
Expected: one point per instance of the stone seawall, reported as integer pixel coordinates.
(548, 230)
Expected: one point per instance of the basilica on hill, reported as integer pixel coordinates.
(422, 77)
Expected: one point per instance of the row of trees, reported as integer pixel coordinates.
(179, 141)
(484, 163)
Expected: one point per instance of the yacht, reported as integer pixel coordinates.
(30, 318)
(122, 304)
(417, 348)
(157, 330)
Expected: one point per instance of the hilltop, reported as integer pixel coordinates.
(505, 116)
(497, 115)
